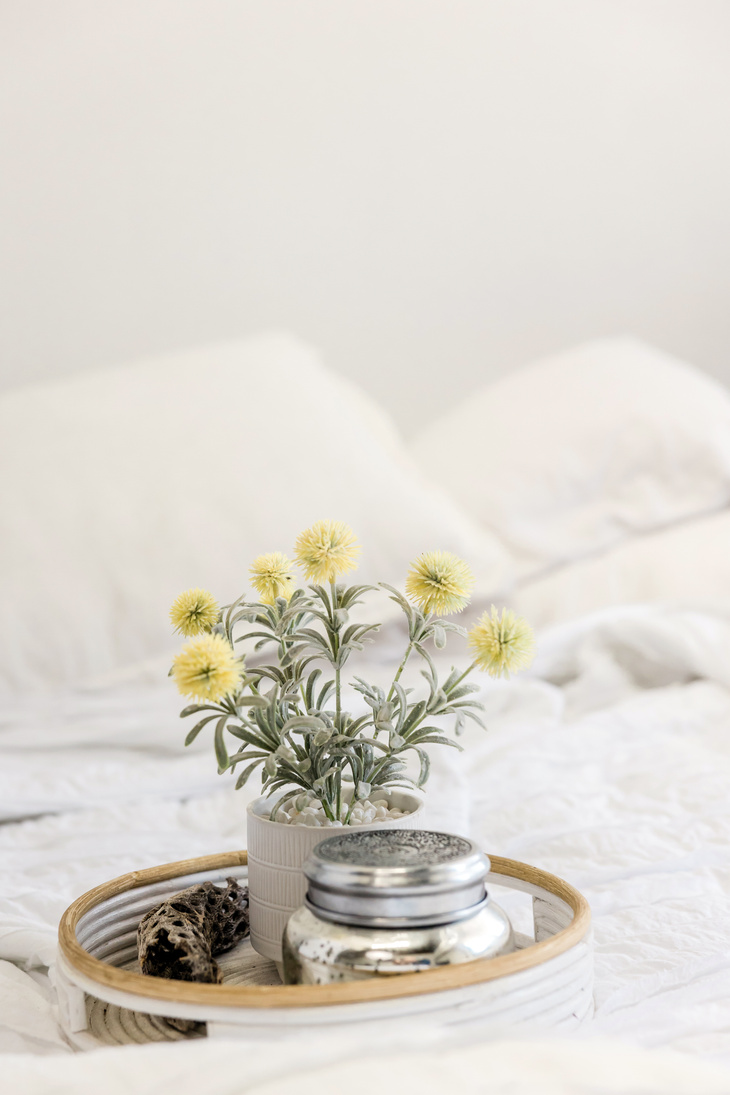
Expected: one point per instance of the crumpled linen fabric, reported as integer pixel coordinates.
(511, 1066)
(609, 764)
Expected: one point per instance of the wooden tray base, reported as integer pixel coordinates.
(106, 1000)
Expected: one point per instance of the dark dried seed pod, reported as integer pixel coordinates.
(178, 938)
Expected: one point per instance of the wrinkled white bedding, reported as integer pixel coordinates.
(689, 562)
(609, 765)
(500, 1068)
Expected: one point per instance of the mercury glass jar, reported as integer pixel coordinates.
(392, 901)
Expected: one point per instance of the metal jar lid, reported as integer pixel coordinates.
(395, 878)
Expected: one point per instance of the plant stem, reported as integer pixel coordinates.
(327, 808)
(338, 687)
(351, 807)
(401, 667)
(336, 653)
(466, 673)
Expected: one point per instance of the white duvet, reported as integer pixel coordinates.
(609, 764)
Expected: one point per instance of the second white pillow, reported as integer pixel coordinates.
(578, 451)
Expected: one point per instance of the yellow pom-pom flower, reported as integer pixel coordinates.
(207, 668)
(502, 644)
(195, 611)
(326, 550)
(271, 577)
(439, 582)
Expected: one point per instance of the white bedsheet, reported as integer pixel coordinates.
(609, 765)
(508, 1067)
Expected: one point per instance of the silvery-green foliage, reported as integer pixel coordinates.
(287, 719)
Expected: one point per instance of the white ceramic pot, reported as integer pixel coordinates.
(276, 852)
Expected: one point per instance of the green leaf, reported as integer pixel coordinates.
(230, 610)
(327, 690)
(373, 744)
(416, 713)
(403, 701)
(401, 781)
(353, 595)
(195, 707)
(449, 625)
(303, 722)
(390, 766)
(426, 657)
(397, 596)
(309, 687)
(435, 739)
(314, 637)
(425, 767)
(259, 741)
(221, 753)
(292, 653)
(271, 672)
(246, 773)
(282, 802)
(237, 731)
(265, 635)
(357, 632)
(246, 754)
(461, 691)
(192, 735)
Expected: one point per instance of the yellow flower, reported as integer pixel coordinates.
(207, 668)
(439, 582)
(271, 577)
(502, 644)
(327, 549)
(194, 611)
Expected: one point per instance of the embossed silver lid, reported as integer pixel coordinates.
(396, 878)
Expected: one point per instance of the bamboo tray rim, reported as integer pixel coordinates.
(297, 996)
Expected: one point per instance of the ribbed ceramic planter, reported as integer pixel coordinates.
(276, 852)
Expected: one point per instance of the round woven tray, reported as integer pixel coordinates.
(104, 997)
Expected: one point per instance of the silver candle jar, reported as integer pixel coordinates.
(392, 901)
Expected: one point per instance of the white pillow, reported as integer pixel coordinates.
(126, 485)
(687, 564)
(573, 453)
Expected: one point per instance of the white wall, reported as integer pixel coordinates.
(431, 190)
